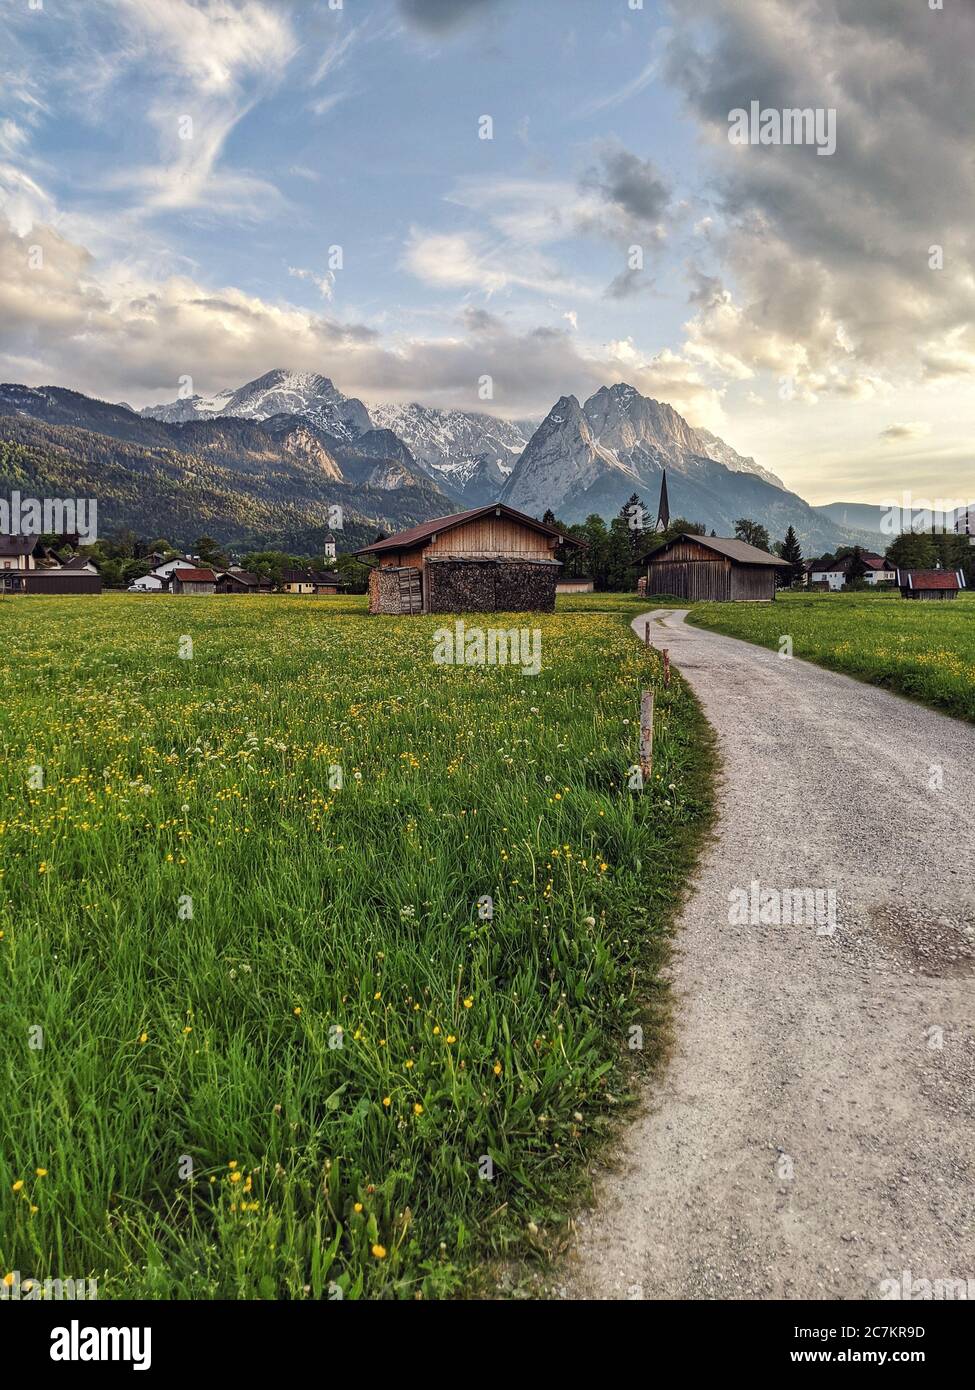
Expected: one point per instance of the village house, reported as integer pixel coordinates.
(574, 586)
(26, 568)
(17, 552)
(930, 584)
(489, 559)
(297, 582)
(194, 581)
(159, 580)
(240, 581)
(715, 569)
(835, 575)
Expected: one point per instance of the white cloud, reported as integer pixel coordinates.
(214, 44)
(13, 137)
(459, 261)
(325, 284)
(621, 94)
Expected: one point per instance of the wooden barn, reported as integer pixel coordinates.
(930, 584)
(713, 569)
(195, 581)
(488, 560)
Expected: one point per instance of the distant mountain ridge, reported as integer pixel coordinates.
(469, 453)
(392, 461)
(244, 481)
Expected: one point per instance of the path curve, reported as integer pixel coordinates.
(813, 1132)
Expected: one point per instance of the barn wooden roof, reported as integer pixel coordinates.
(927, 579)
(405, 540)
(728, 546)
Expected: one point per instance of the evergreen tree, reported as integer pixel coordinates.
(792, 554)
(619, 576)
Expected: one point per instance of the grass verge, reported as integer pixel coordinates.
(917, 648)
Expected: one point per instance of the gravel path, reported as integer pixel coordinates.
(813, 1133)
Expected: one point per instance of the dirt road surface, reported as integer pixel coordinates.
(814, 1132)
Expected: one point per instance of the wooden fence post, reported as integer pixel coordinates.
(646, 734)
(646, 634)
(666, 656)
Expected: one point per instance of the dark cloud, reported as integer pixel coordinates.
(631, 183)
(829, 256)
(444, 16)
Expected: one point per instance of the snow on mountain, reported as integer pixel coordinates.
(469, 453)
(278, 392)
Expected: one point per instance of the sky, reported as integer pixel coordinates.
(414, 196)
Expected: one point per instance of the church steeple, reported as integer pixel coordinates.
(663, 511)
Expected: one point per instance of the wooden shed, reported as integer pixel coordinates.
(51, 581)
(715, 569)
(195, 581)
(487, 560)
(930, 584)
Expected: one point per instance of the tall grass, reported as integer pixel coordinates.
(255, 1027)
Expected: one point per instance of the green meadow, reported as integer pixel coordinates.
(323, 967)
(919, 648)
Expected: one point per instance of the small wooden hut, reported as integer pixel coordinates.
(195, 581)
(930, 584)
(487, 560)
(714, 569)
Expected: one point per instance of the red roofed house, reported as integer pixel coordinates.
(930, 584)
(487, 560)
(186, 581)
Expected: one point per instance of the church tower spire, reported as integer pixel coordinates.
(663, 511)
